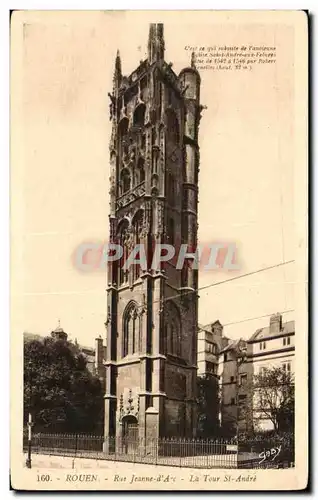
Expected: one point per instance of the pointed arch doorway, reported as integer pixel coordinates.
(130, 434)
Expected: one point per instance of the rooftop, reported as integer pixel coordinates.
(234, 345)
(265, 333)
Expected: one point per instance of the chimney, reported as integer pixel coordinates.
(217, 328)
(275, 323)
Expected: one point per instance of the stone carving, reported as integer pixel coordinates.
(129, 404)
(171, 77)
(129, 238)
(175, 154)
(147, 113)
(143, 233)
(132, 153)
(123, 113)
(138, 404)
(130, 407)
(160, 219)
(112, 229)
(121, 406)
(109, 317)
(132, 195)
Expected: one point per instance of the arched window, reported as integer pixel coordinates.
(131, 327)
(141, 169)
(139, 172)
(122, 135)
(125, 180)
(122, 241)
(123, 127)
(139, 116)
(137, 223)
(173, 338)
(172, 330)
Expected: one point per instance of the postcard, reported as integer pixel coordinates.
(159, 208)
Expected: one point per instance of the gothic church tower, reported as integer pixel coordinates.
(152, 315)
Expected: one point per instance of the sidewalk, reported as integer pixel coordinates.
(63, 462)
(78, 464)
(197, 462)
(59, 462)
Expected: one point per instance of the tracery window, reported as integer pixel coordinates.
(131, 330)
(125, 180)
(123, 128)
(122, 241)
(139, 172)
(122, 139)
(139, 116)
(172, 330)
(137, 224)
(141, 169)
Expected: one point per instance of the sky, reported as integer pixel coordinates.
(60, 174)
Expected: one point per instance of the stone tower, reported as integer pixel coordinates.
(152, 314)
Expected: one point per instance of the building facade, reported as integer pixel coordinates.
(152, 313)
(271, 347)
(95, 358)
(210, 343)
(234, 374)
(240, 361)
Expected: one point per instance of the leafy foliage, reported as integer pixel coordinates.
(208, 406)
(274, 397)
(260, 441)
(59, 391)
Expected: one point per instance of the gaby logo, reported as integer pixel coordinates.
(93, 256)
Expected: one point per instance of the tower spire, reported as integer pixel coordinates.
(117, 72)
(156, 43)
(193, 60)
(118, 63)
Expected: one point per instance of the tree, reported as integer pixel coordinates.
(208, 406)
(59, 391)
(274, 397)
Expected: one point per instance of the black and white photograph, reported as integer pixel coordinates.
(159, 250)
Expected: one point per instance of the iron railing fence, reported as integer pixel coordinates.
(221, 453)
(195, 453)
(65, 444)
